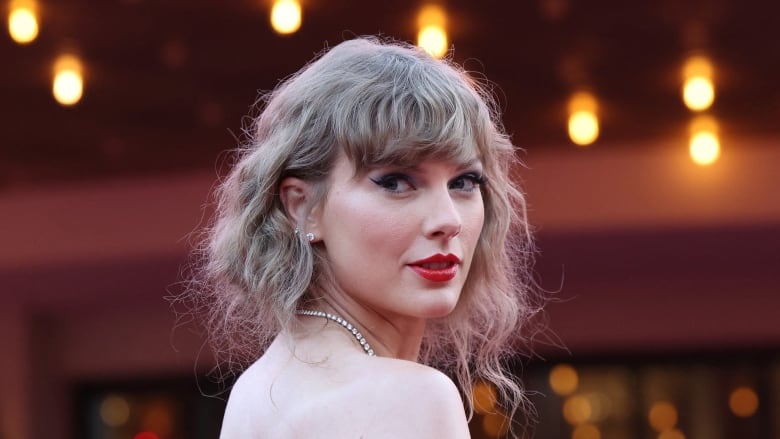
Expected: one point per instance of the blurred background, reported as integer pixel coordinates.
(651, 137)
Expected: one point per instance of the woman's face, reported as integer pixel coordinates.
(400, 241)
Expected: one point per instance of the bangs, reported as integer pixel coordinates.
(404, 119)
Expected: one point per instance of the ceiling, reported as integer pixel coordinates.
(169, 81)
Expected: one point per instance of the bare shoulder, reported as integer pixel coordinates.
(415, 401)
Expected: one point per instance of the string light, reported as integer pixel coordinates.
(286, 16)
(583, 119)
(698, 87)
(704, 144)
(432, 30)
(68, 84)
(23, 21)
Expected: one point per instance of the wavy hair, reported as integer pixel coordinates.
(379, 102)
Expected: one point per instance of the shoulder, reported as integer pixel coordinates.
(415, 401)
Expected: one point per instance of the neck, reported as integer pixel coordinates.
(397, 337)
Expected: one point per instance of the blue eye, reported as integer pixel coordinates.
(468, 182)
(395, 183)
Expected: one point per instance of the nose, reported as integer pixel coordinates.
(443, 220)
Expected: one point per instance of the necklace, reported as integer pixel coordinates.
(345, 324)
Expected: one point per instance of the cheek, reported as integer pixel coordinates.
(366, 222)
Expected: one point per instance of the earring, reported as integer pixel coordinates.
(310, 236)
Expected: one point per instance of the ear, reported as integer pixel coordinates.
(297, 198)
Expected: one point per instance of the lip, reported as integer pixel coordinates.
(445, 267)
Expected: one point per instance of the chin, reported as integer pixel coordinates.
(439, 309)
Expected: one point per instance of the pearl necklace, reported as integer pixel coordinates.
(345, 324)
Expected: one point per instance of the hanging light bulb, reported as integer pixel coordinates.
(286, 16)
(23, 21)
(432, 30)
(704, 145)
(698, 87)
(583, 119)
(68, 84)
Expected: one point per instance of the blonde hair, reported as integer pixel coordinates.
(378, 102)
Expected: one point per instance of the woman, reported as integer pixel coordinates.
(368, 246)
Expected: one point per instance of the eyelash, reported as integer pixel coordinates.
(389, 182)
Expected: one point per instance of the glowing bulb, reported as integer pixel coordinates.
(23, 23)
(432, 34)
(743, 402)
(583, 121)
(698, 93)
(704, 146)
(68, 85)
(433, 40)
(698, 88)
(563, 379)
(286, 16)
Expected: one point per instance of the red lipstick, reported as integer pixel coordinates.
(437, 268)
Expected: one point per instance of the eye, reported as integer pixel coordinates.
(396, 183)
(467, 182)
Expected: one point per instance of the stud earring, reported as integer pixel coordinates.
(310, 236)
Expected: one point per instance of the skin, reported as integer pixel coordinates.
(316, 381)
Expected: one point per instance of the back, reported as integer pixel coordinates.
(341, 393)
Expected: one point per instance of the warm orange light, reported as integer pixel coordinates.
(662, 416)
(583, 125)
(671, 434)
(23, 21)
(485, 397)
(286, 16)
(586, 431)
(698, 87)
(704, 145)
(495, 424)
(68, 83)
(577, 410)
(563, 379)
(743, 402)
(432, 30)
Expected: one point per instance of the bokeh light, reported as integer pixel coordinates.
(743, 402)
(432, 30)
(495, 424)
(577, 410)
(586, 431)
(671, 434)
(286, 16)
(563, 379)
(583, 125)
(484, 397)
(698, 93)
(68, 83)
(662, 416)
(698, 87)
(704, 145)
(23, 22)
(114, 411)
